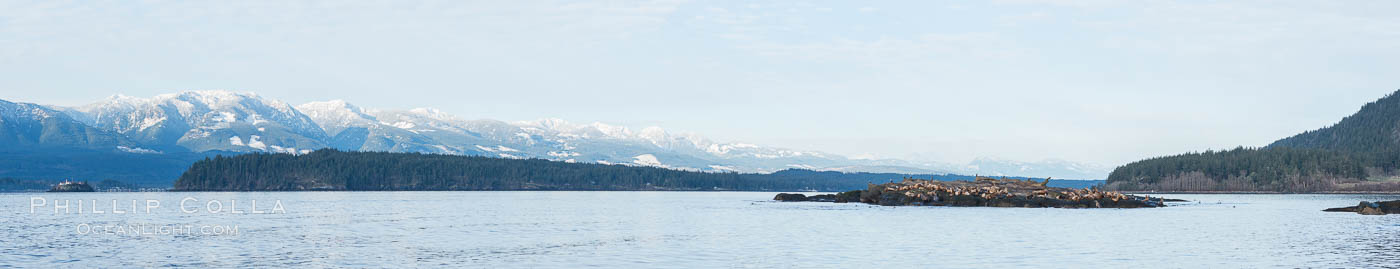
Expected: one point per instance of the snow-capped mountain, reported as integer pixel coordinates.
(207, 120)
(351, 128)
(25, 125)
(203, 121)
(432, 131)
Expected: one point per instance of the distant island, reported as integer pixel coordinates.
(72, 186)
(37, 185)
(1361, 153)
(335, 170)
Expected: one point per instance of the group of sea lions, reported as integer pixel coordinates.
(984, 191)
(1371, 208)
(1000, 192)
(992, 192)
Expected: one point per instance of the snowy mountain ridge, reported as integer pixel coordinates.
(246, 122)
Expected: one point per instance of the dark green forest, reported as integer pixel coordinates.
(377, 171)
(335, 170)
(1360, 153)
(1373, 129)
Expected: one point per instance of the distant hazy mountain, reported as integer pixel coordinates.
(229, 122)
(1052, 168)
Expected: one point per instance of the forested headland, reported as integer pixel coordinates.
(1361, 153)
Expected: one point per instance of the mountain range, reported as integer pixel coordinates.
(194, 124)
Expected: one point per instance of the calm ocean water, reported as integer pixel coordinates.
(678, 230)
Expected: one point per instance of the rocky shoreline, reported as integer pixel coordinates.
(1370, 208)
(984, 191)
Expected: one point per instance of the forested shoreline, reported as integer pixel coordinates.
(1266, 170)
(1360, 153)
(334, 170)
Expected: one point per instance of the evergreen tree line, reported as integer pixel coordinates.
(1373, 129)
(330, 169)
(1271, 169)
(1359, 153)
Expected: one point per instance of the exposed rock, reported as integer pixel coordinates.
(983, 192)
(850, 196)
(845, 197)
(1370, 208)
(790, 197)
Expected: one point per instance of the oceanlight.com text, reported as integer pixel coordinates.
(154, 229)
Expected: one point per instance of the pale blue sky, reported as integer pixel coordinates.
(1095, 81)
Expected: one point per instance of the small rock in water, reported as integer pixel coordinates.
(790, 197)
(1370, 208)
